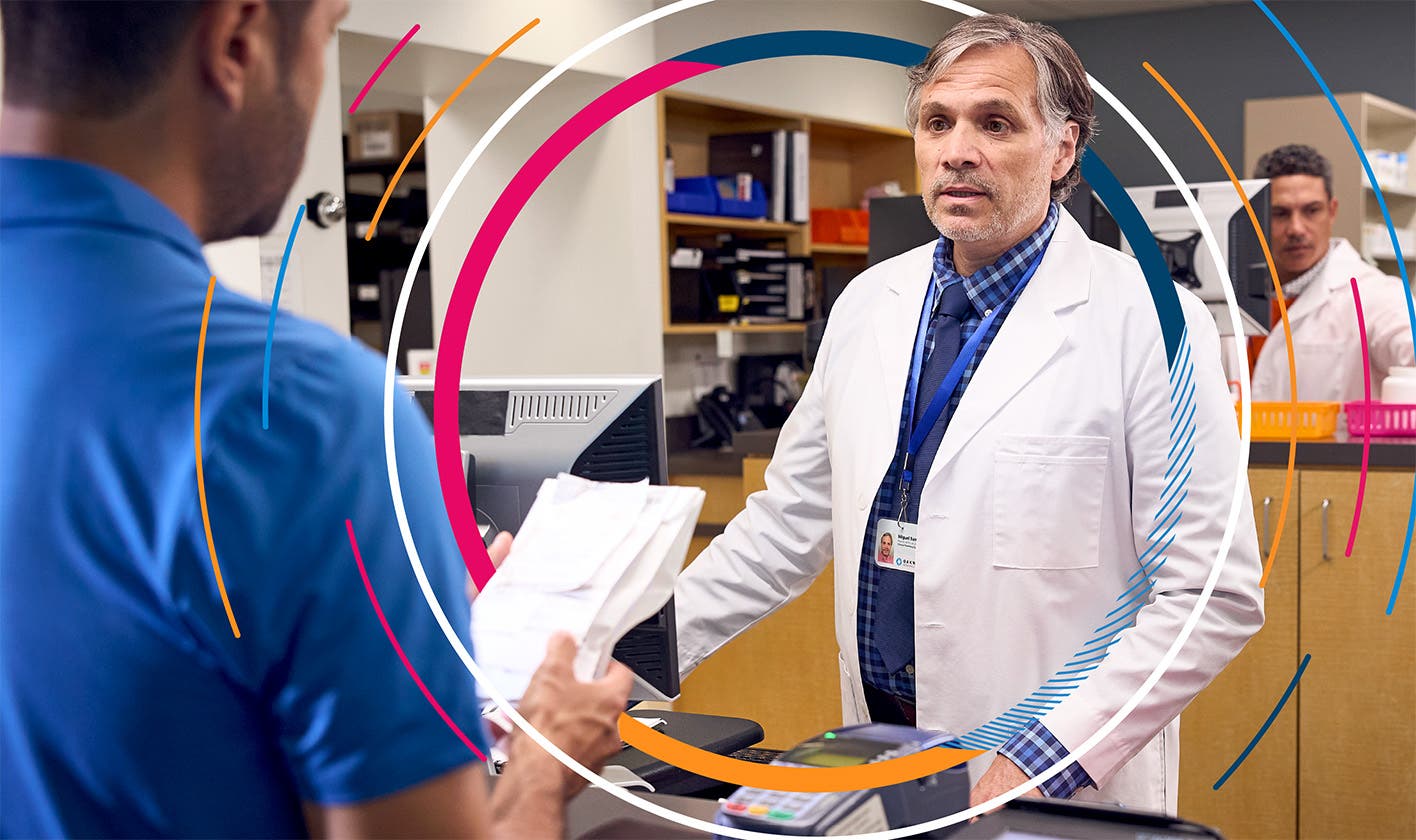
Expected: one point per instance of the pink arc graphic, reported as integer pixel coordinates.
(1367, 430)
(358, 100)
(398, 649)
(474, 270)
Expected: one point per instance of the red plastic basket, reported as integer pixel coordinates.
(1381, 419)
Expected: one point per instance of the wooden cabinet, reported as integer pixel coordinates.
(1259, 802)
(1357, 700)
(1340, 758)
(781, 672)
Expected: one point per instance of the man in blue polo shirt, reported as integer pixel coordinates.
(132, 133)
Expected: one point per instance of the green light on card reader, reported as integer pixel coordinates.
(830, 736)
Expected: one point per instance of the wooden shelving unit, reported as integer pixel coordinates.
(712, 329)
(690, 220)
(819, 248)
(845, 158)
(1379, 124)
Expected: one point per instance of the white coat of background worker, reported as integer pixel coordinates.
(1033, 520)
(1316, 270)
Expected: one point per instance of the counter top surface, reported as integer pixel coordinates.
(1338, 451)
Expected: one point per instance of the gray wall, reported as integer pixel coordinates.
(1216, 57)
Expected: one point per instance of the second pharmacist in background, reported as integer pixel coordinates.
(1000, 401)
(1316, 270)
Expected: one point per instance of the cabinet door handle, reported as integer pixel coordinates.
(1327, 503)
(1268, 500)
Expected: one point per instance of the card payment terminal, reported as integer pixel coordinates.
(852, 811)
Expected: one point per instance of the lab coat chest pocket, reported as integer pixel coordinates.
(1319, 364)
(1047, 501)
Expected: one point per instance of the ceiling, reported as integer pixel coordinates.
(1063, 9)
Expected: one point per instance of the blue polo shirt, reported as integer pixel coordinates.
(127, 706)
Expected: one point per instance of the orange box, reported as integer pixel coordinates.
(832, 226)
(1274, 420)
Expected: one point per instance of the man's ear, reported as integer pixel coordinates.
(1066, 150)
(234, 40)
(1332, 207)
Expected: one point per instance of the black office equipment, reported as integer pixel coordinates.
(1058, 819)
(761, 154)
(899, 224)
(525, 430)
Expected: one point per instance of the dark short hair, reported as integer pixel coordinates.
(88, 58)
(1295, 159)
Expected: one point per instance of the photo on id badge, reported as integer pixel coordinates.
(896, 546)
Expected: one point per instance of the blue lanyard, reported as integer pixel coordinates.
(941, 398)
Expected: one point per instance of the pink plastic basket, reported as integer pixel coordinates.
(1381, 419)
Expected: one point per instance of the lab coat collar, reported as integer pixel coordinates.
(1339, 265)
(1030, 336)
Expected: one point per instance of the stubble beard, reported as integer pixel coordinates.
(1002, 213)
(250, 179)
(959, 227)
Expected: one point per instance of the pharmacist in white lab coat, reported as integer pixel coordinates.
(1051, 489)
(1316, 270)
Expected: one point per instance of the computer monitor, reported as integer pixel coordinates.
(520, 431)
(1169, 218)
(897, 225)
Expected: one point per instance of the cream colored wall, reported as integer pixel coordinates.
(575, 287)
(480, 27)
(316, 279)
(848, 89)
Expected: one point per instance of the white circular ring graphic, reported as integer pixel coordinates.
(594, 778)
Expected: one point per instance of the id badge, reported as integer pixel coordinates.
(896, 544)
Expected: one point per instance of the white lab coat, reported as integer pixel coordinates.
(1039, 500)
(1327, 346)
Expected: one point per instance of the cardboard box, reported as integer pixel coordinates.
(383, 135)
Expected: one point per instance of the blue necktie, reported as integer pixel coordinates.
(894, 608)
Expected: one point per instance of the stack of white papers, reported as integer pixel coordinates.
(593, 559)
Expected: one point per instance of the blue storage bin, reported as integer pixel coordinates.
(705, 195)
(754, 209)
(694, 195)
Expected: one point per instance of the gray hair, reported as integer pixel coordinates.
(1063, 93)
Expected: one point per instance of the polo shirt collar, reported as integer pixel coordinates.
(41, 191)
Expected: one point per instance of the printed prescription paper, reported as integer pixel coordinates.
(593, 559)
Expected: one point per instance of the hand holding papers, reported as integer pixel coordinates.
(579, 717)
(592, 559)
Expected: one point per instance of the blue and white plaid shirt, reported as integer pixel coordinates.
(1034, 749)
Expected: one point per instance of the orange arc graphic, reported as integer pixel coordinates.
(422, 135)
(1282, 310)
(794, 779)
(201, 478)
